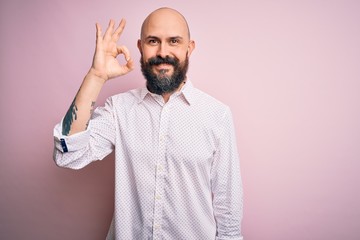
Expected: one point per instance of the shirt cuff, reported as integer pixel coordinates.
(229, 238)
(70, 143)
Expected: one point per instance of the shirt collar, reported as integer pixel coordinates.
(187, 92)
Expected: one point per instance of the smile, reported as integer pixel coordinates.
(163, 68)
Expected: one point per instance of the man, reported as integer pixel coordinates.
(177, 173)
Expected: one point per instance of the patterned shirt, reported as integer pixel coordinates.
(177, 173)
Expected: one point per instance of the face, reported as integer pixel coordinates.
(160, 81)
(165, 48)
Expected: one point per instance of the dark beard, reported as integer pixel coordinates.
(161, 83)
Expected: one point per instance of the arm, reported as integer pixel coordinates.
(226, 184)
(104, 67)
(75, 145)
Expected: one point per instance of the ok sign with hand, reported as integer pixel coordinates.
(105, 65)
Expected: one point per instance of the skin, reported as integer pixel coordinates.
(104, 67)
(163, 33)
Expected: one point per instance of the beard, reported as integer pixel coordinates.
(162, 83)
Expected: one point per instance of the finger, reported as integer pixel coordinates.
(119, 30)
(125, 51)
(130, 65)
(109, 30)
(129, 62)
(98, 33)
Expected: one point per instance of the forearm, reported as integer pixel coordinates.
(77, 117)
(78, 150)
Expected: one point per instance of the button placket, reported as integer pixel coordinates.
(159, 185)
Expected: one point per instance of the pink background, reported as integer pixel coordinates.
(288, 69)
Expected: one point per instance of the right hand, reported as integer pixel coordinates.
(105, 65)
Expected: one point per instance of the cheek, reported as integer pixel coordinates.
(148, 53)
(181, 54)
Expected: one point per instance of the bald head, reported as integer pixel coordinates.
(166, 20)
(165, 48)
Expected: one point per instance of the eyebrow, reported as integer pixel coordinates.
(154, 37)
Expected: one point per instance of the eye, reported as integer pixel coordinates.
(174, 41)
(153, 42)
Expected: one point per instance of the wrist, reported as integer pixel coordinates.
(96, 76)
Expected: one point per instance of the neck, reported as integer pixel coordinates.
(166, 96)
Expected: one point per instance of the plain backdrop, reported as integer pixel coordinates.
(289, 70)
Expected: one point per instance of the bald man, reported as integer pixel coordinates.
(177, 173)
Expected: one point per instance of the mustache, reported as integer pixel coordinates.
(160, 60)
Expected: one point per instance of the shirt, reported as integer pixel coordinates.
(177, 173)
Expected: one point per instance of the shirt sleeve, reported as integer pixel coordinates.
(96, 142)
(226, 183)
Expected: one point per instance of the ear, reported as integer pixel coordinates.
(191, 47)
(139, 45)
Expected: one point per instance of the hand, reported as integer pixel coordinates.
(105, 65)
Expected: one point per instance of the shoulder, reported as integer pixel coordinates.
(209, 103)
(129, 97)
(132, 94)
(211, 112)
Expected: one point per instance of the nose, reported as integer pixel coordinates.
(162, 50)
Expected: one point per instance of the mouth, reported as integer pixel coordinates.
(163, 68)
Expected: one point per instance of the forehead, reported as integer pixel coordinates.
(164, 24)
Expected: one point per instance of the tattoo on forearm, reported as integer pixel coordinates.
(70, 116)
(91, 112)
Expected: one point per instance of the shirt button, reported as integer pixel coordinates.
(160, 168)
(158, 197)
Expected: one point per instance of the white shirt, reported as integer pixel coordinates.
(177, 173)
